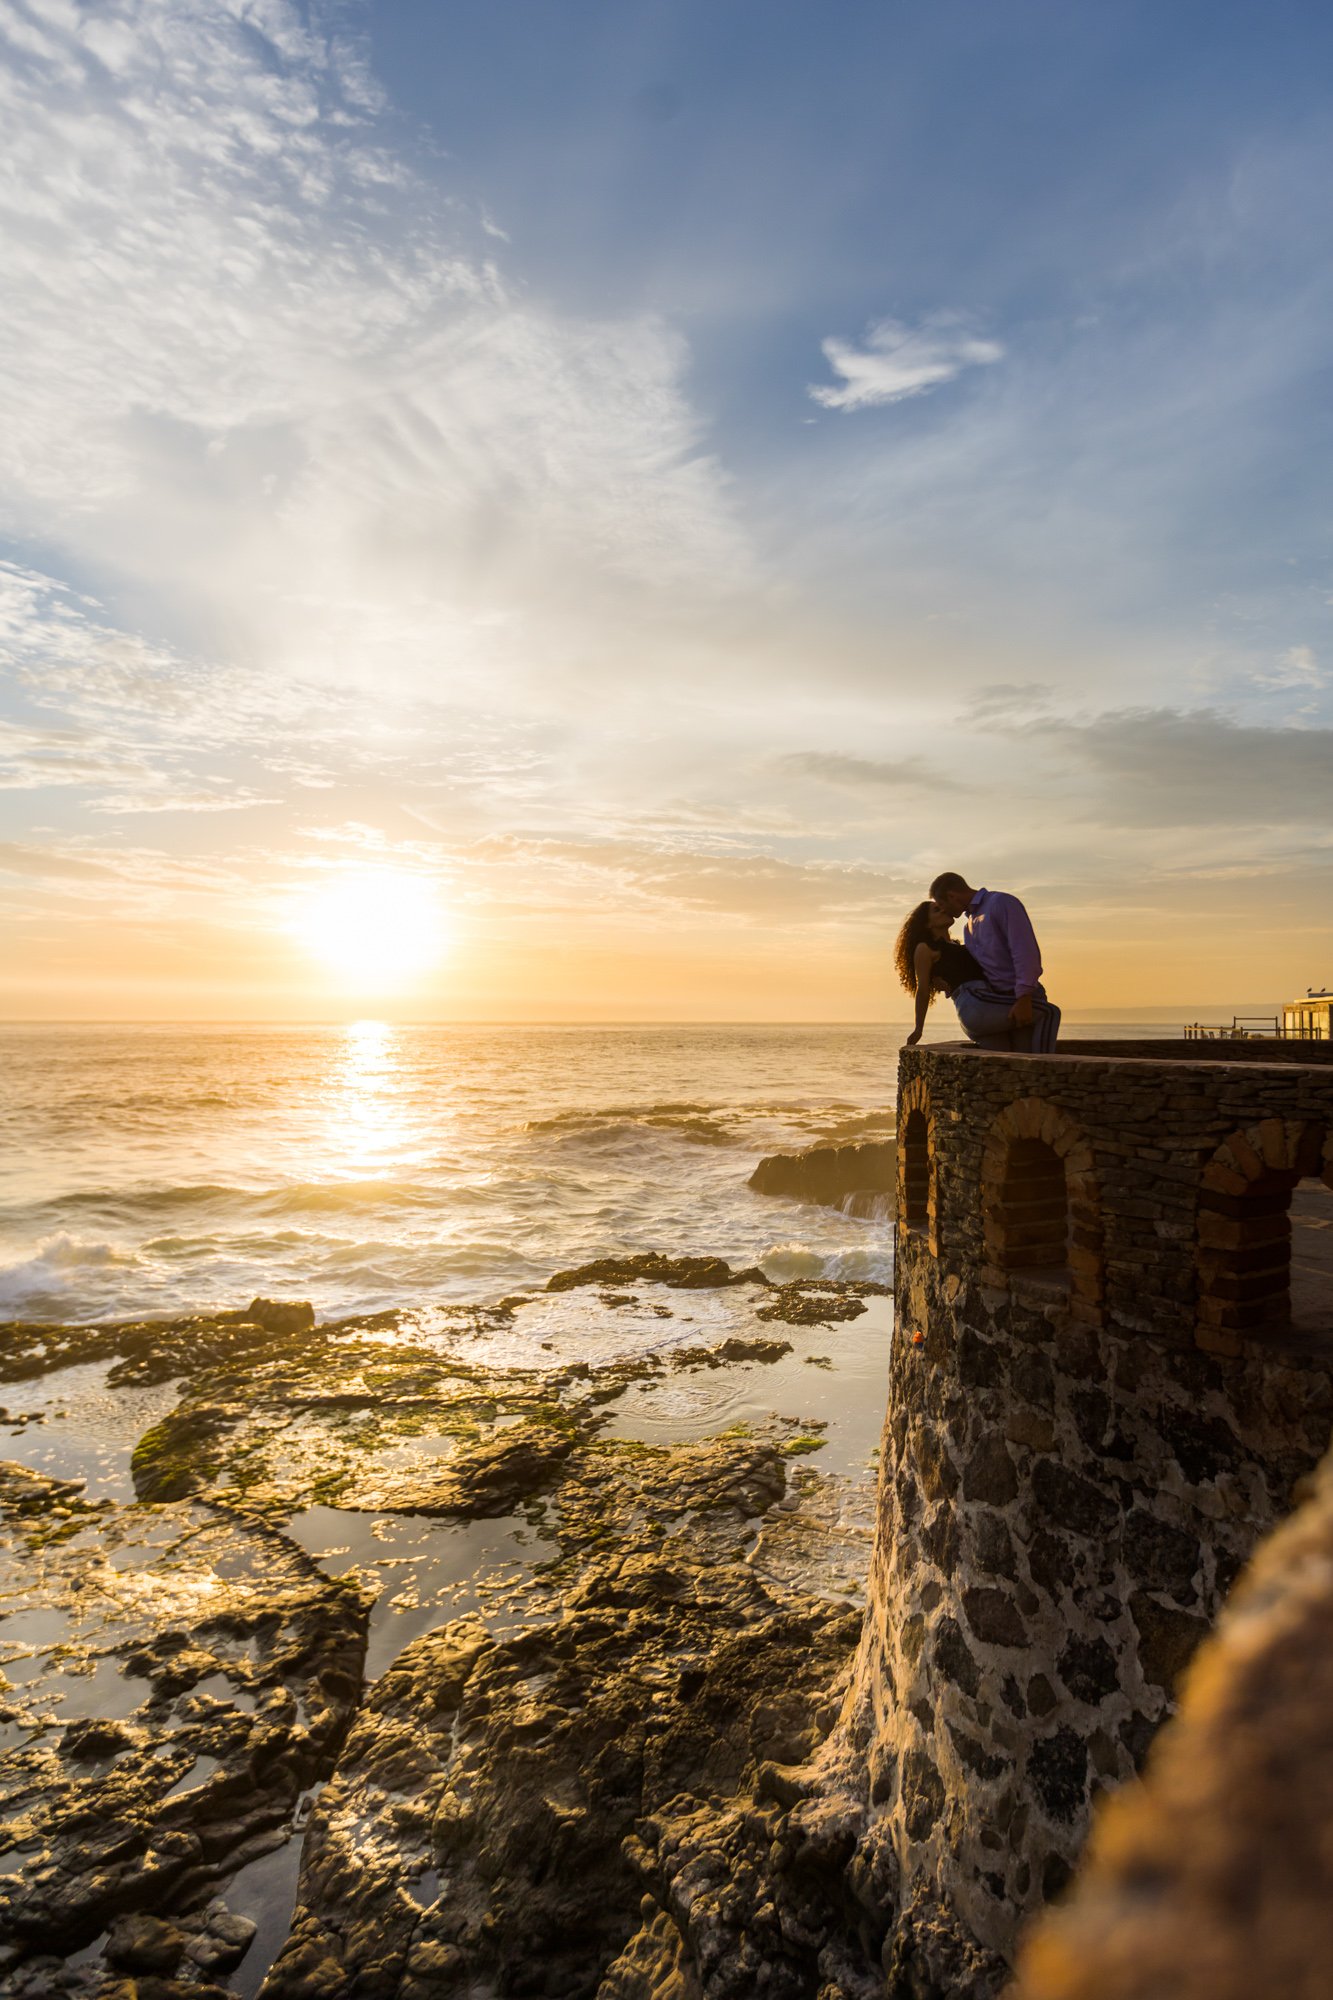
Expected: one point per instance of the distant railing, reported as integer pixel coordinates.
(1249, 1027)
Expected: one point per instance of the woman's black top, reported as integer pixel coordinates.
(955, 966)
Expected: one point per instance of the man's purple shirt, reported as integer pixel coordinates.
(998, 933)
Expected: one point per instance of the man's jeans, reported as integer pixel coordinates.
(984, 1013)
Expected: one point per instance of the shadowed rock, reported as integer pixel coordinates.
(834, 1176)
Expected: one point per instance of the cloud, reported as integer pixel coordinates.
(898, 361)
(623, 883)
(1009, 701)
(1163, 767)
(20, 858)
(866, 774)
(1296, 669)
(254, 348)
(189, 802)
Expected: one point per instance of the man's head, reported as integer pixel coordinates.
(952, 893)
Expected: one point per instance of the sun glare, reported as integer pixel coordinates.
(376, 931)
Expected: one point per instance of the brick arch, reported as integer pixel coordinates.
(918, 1177)
(1242, 1258)
(1039, 1194)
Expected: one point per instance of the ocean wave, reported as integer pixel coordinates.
(695, 1123)
(55, 1265)
(149, 1199)
(783, 1262)
(341, 1196)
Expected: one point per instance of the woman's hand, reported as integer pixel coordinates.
(912, 1039)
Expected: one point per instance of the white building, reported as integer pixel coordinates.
(1310, 1019)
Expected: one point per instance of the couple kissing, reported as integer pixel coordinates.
(992, 974)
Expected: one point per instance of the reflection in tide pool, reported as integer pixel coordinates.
(834, 1383)
(426, 1571)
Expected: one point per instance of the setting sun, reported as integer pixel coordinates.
(376, 930)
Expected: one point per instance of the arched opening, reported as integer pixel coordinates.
(1249, 1281)
(1041, 1206)
(915, 1142)
(1032, 1210)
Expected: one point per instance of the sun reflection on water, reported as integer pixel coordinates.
(369, 1125)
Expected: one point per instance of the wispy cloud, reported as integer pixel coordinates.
(1296, 669)
(867, 774)
(898, 361)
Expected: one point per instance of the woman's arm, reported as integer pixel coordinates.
(923, 965)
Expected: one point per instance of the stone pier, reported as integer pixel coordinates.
(1111, 1373)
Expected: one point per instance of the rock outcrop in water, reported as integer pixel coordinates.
(859, 1179)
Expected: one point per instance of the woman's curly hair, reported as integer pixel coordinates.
(914, 932)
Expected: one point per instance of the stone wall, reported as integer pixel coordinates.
(1085, 1439)
(1236, 1797)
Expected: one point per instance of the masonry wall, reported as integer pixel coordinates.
(1078, 1457)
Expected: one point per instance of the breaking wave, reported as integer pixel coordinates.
(55, 1268)
(783, 1262)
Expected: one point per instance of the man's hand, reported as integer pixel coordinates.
(1020, 1014)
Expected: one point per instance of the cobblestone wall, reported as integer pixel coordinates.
(1077, 1460)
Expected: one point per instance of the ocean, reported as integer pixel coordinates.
(157, 1170)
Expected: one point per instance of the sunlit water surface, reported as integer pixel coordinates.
(162, 1169)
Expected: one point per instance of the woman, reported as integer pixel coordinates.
(929, 961)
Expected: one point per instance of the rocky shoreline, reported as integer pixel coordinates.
(544, 1734)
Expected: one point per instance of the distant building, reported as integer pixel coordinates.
(1310, 1019)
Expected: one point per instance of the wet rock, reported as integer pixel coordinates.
(281, 1316)
(817, 1302)
(333, 1417)
(686, 1274)
(111, 1806)
(830, 1175)
(517, 1769)
(222, 1942)
(734, 1349)
(144, 1943)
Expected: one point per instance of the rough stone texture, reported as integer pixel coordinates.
(704, 1598)
(502, 1807)
(1212, 1881)
(1070, 1480)
(172, 1678)
(834, 1176)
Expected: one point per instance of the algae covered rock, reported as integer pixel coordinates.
(171, 1678)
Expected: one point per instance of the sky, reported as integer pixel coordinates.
(513, 511)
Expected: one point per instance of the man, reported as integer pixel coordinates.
(1008, 1009)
